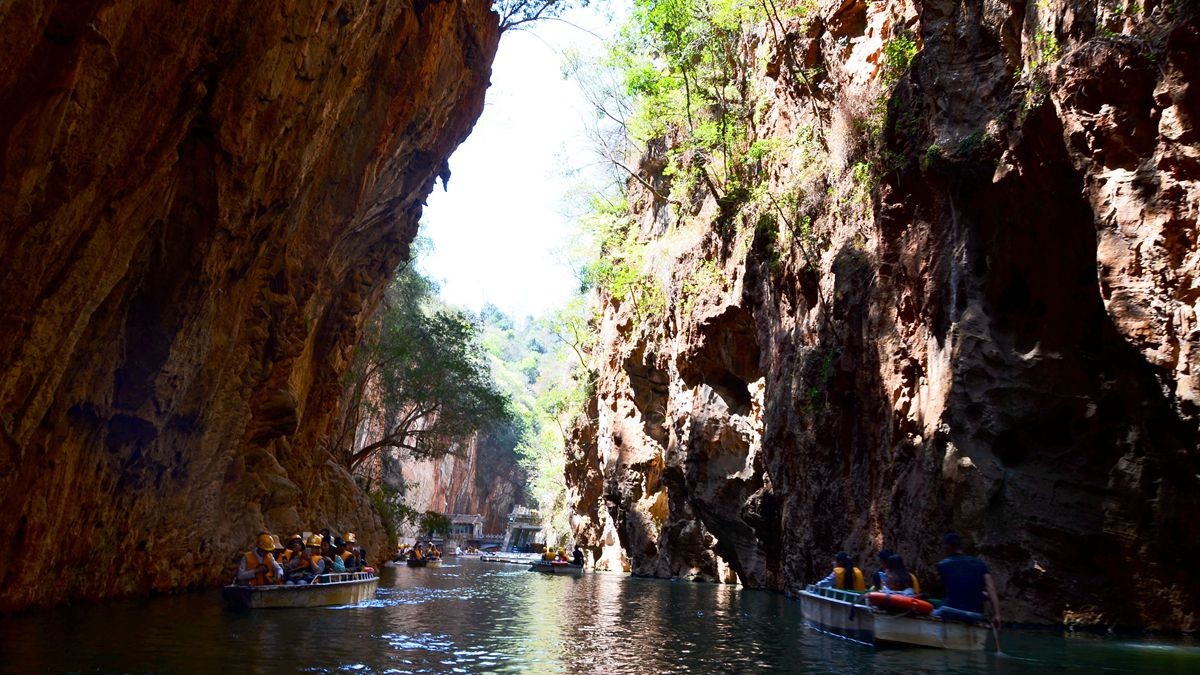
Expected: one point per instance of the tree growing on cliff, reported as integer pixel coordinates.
(518, 13)
(420, 380)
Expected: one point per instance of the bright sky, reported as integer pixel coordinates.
(499, 231)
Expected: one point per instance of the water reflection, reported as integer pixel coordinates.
(477, 617)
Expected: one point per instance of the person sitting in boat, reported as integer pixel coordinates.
(898, 579)
(878, 580)
(577, 556)
(337, 563)
(258, 566)
(350, 554)
(548, 555)
(415, 553)
(966, 579)
(296, 563)
(317, 564)
(845, 575)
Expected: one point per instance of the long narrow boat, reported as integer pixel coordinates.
(846, 614)
(559, 568)
(328, 589)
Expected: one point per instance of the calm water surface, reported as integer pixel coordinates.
(482, 617)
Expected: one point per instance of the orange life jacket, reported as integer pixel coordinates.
(839, 574)
(264, 572)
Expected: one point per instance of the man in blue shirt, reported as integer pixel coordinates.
(965, 579)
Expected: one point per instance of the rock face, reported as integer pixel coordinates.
(199, 204)
(481, 476)
(998, 334)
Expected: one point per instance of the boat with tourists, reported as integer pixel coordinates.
(865, 619)
(558, 567)
(417, 562)
(347, 588)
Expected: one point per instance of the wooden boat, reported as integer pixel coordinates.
(328, 589)
(556, 567)
(414, 562)
(846, 614)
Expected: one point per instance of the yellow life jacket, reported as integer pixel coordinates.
(839, 574)
(916, 586)
(264, 572)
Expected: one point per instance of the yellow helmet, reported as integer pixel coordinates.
(276, 542)
(350, 538)
(266, 542)
(314, 540)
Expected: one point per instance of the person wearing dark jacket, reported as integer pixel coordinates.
(966, 580)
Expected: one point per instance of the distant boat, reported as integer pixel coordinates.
(417, 562)
(556, 567)
(433, 562)
(847, 615)
(512, 559)
(329, 589)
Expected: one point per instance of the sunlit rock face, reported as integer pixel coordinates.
(199, 204)
(480, 476)
(998, 335)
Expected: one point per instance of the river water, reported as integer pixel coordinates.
(483, 617)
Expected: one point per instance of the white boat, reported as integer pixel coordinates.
(559, 568)
(846, 614)
(514, 559)
(328, 589)
(433, 562)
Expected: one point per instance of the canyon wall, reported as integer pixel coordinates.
(479, 476)
(199, 204)
(990, 327)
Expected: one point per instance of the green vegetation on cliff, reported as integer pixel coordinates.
(538, 362)
(419, 377)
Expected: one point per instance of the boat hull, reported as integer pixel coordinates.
(847, 615)
(560, 570)
(340, 590)
(433, 563)
(417, 563)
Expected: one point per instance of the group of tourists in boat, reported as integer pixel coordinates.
(965, 578)
(301, 561)
(559, 554)
(418, 555)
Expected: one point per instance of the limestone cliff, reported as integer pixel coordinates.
(480, 476)
(996, 334)
(199, 203)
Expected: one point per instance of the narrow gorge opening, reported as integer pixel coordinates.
(698, 290)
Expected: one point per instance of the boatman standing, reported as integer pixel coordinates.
(258, 567)
(965, 579)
